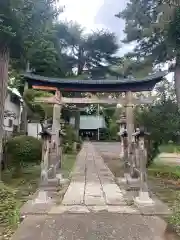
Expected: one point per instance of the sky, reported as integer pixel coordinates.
(97, 14)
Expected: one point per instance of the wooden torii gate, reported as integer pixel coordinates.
(127, 86)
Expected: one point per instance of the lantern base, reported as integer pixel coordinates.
(143, 200)
(42, 197)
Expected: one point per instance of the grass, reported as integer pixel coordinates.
(164, 181)
(22, 187)
(67, 164)
(165, 171)
(25, 185)
(115, 165)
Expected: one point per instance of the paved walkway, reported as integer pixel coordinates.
(92, 209)
(92, 187)
(92, 181)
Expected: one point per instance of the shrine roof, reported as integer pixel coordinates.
(123, 84)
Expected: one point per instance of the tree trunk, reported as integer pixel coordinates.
(80, 61)
(24, 121)
(77, 123)
(77, 115)
(4, 63)
(177, 82)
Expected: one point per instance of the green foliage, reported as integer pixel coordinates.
(9, 213)
(24, 149)
(149, 23)
(22, 23)
(133, 67)
(154, 28)
(87, 51)
(113, 130)
(30, 30)
(45, 56)
(40, 110)
(161, 120)
(69, 139)
(175, 218)
(108, 114)
(35, 20)
(67, 164)
(8, 22)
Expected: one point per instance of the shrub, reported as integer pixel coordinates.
(152, 151)
(24, 149)
(113, 130)
(9, 213)
(69, 139)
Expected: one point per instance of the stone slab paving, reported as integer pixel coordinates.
(92, 182)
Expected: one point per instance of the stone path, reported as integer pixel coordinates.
(92, 187)
(93, 208)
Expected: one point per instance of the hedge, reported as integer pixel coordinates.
(24, 149)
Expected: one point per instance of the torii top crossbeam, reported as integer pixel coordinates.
(105, 85)
(57, 99)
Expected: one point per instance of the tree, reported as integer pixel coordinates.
(132, 67)
(153, 26)
(8, 32)
(90, 51)
(161, 119)
(21, 23)
(45, 58)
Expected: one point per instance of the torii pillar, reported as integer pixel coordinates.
(56, 126)
(129, 124)
(129, 116)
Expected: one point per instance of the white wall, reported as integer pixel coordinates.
(15, 108)
(34, 129)
(90, 122)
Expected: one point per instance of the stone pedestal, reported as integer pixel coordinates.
(127, 176)
(59, 177)
(42, 198)
(133, 182)
(122, 180)
(74, 146)
(143, 200)
(53, 171)
(62, 180)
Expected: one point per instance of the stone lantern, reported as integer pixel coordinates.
(46, 146)
(143, 199)
(122, 123)
(122, 129)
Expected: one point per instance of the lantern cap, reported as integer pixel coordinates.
(140, 132)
